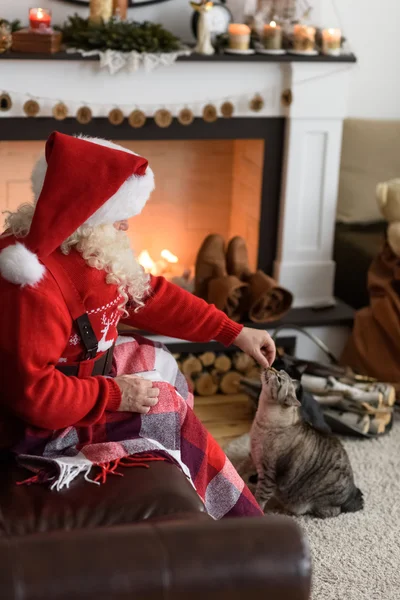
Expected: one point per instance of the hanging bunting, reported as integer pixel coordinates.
(5, 102)
(31, 108)
(256, 103)
(84, 115)
(186, 116)
(137, 119)
(210, 114)
(163, 118)
(116, 116)
(227, 110)
(60, 111)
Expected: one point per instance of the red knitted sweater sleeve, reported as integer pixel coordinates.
(35, 331)
(170, 310)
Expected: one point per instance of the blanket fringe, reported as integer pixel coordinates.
(68, 473)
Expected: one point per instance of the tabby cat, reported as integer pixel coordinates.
(306, 470)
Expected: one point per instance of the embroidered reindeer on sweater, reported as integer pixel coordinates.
(105, 344)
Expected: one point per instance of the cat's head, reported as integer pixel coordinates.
(278, 388)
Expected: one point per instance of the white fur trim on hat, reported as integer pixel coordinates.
(20, 266)
(127, 202)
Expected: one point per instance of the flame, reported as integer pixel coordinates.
(169, 257)
(147, 262)
(272, 24)
(40, 13)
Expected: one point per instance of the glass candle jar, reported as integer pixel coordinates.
(272, 36)
(303, 38)
(331, 41)
(39, 18)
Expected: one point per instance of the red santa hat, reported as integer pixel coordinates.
(78, 181)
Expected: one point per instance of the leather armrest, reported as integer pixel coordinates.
(234, 558)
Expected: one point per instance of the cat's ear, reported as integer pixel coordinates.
(291, 400)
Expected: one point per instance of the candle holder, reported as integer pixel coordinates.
(331, 42)
(304, 38)
(40, 20)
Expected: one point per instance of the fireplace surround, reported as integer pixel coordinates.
(300, 127)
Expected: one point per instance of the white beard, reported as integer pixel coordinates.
(105, 248)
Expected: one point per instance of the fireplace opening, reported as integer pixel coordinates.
(202, 186)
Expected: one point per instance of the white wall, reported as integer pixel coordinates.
(371, 27)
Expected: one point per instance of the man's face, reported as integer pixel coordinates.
(121, 225)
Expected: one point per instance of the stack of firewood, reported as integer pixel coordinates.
(216, 373)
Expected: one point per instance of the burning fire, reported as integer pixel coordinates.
(162, 266)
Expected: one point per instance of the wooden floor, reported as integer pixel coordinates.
(225, 417)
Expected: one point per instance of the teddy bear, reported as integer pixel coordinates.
(388, 197)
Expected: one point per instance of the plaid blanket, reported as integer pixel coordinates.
(170, 431)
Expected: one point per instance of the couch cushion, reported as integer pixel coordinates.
(370, 155)
(161, 491)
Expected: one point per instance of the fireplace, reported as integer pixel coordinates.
(270, 176)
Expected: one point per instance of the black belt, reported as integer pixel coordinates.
(101, 366)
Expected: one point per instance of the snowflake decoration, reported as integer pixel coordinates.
(74, 340)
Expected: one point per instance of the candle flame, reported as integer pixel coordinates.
(272, 24)
(169, 257)
(40, 13)
(332, 31)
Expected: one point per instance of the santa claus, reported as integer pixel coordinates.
(73, 393)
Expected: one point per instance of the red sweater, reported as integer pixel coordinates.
(37, 333)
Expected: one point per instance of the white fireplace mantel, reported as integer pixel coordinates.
(313, 133)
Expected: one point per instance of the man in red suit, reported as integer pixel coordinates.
(68, 277)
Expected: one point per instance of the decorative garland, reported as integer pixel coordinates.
(124, 36)
(136, 118)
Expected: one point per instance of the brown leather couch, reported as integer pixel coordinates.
(143, 536)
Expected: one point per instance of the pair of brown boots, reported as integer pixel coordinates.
(223, 277)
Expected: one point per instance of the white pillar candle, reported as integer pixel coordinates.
(331, 41)
(272, 36)
(239, 36)
(303, 38)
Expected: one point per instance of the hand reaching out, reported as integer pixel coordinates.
(258, 344)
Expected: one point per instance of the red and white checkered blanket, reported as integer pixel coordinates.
(170, 431)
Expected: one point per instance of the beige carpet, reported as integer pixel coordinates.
(357, 556)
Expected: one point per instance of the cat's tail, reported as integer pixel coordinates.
(354, 502)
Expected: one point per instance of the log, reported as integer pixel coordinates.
(191, 365)
(205, 385)
(230, 383)
(243, 362)
(223, 363)
(254, 373)
(208, 358)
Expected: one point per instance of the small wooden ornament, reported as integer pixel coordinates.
(186, 116)
(31, 108)
(5, 102)
(84, 115)
(116, 116)
(227, 110)
(210, 114)
(137, 119)
(256, 103)
(163, 118)
(60, 111)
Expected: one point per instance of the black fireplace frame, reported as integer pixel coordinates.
(270, 130)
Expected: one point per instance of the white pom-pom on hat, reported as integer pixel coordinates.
(20, 266)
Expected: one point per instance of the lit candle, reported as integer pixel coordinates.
(39, 18)
(272, 37)
(331, 41)
(303, 38)
(239, 36)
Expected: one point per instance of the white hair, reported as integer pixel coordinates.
(103, 247)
